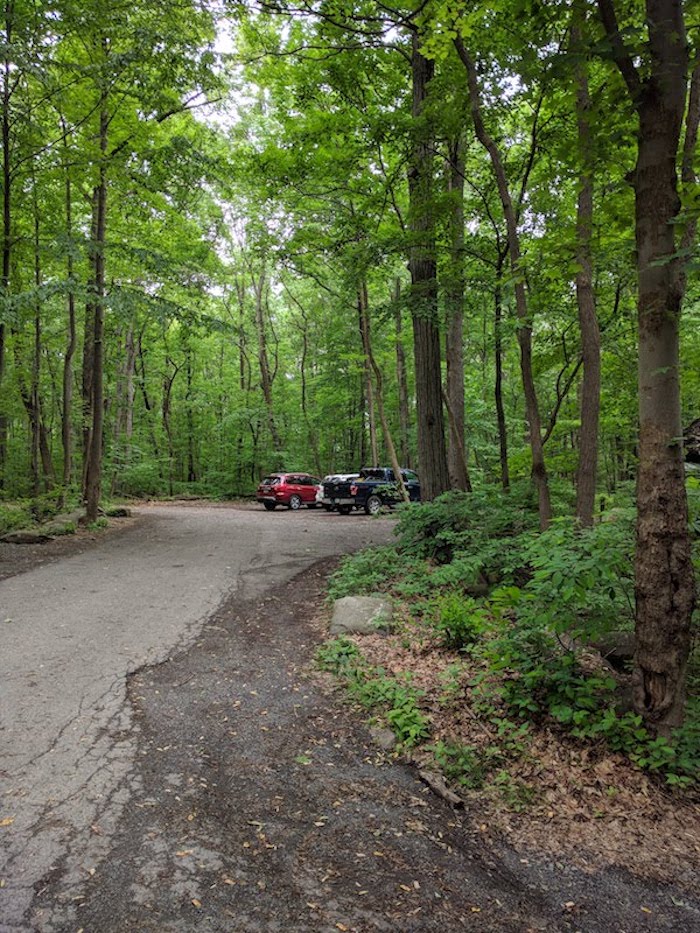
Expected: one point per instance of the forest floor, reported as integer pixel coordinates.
(260, 802)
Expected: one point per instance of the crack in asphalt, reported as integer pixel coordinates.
(69, 741)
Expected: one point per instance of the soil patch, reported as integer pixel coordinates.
(261, 803)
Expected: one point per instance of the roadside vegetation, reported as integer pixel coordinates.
(505, 665)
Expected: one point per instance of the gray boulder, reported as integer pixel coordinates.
(363, 615)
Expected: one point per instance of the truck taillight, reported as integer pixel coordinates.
(353, 490)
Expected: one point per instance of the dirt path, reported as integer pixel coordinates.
(219, 783)
(75, 622)
(259, 803)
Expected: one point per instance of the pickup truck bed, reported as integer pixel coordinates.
(374, 488)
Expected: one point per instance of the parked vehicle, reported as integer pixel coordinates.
(291, 489)
(335, 490)
(377, 487)
(374, 487)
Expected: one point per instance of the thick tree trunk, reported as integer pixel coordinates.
(454, 295)
(539, 471)
(402, 381)
(93, 473)
(664, 577)
(588, 321)
(66, 431)
(664, 570)
(40, 447)
(88, 365)
(432, 452)
(6, 222)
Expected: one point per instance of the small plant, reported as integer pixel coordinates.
(337, 655)
(98, 523)
(371, 688)
(69, 528)
(365, 572)
(464, 765)
(459, 619)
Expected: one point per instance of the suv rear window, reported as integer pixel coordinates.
(270, 481)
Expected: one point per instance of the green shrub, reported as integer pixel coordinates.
(366, 572)
(459, 619)
(395, 697)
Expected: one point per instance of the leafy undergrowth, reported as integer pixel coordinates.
(490, 675)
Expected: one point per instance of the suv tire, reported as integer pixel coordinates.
(295, 502)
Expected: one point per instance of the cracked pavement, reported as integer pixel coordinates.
(70, 634)
(170, 761)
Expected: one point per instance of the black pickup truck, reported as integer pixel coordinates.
(375, 487)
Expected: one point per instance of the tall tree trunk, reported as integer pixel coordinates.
(588, 321)
(40, 449)
(130, 368)
(372, 364)
(539, 471)
(401, 380)
(432, 452)
(311, 430)
(168, 381)
(6, 220)
(266, 377)
(89, 345)
(362, 313)
(664, 577)
(498, 384)
(191, 468)
(66, 432)
(454, 294)
(93, 473)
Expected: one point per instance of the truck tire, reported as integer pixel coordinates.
(373, 505)
(344, 509)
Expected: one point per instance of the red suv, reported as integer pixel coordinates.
(290, 489)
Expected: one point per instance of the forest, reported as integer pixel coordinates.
(324, 234)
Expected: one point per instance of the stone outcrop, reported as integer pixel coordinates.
(363, 615)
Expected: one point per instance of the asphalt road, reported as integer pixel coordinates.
(71, 633)
(171, 761)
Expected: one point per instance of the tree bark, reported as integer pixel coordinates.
(6, 220)
(372, 364)
(454, 295)
(664, 577)
(362, 313)
(93, 473)
(66, 431)
(402, 381)
(498, 384)
(432, 452)
(266, 377)
(88, 365)
(588, 320)
(539, 471)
